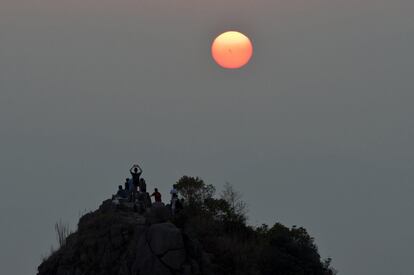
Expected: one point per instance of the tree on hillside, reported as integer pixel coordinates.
(220, 225)
(290, 251)
(234, 200)
(194, 190)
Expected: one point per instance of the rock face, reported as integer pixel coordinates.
(118, 241)
(166, 241)
(158, 213)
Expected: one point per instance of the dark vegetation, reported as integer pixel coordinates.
(62, 232)
(237, 248)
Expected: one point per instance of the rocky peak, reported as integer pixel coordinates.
(117, 240)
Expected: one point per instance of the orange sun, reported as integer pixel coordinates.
(232, 50)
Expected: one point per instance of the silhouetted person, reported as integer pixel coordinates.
(156, 195)
(174, 198)
(130, 185)
(121, 192)
(136, 172)
(126, 185)
(174, 192)
(142, 185)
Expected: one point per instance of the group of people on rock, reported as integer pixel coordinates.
(136, 185)
(132, 185)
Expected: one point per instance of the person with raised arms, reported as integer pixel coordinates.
(136, 172)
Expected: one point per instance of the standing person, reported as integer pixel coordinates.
(126, 185)
(136, 172)
(130, 185)
(174, 192)
(142, 185)
(174, 198)
(156, 195)
(126, 188)
(174, 202)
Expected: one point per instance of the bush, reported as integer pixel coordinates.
(290, 251)
(220, 225)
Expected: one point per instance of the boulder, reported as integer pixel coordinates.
(164, 237)
(146, 262)
(174, 259)
(158, 213)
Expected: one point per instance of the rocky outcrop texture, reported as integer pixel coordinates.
(117, 240)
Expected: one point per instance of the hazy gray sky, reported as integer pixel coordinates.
(317, 131)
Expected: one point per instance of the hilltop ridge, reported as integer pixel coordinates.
(208, 236)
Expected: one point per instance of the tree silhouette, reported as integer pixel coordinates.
(194, 190)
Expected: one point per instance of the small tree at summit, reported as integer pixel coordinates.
(194, 190)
